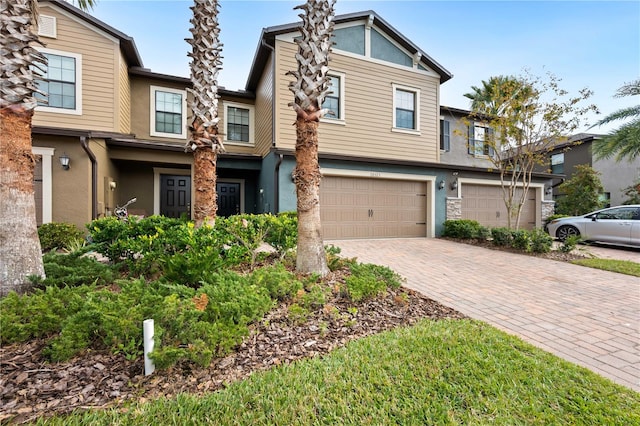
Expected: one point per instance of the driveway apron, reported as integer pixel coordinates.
(587, 316)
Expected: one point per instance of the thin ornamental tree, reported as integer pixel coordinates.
(20, 66)
(309, 88)
(528, 116)
(204, 139)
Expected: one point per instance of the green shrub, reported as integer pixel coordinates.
(205, 255)
(283, 231)
(140, 243)
(570, 243)
(209, 324)
(39, 314)
(465, 229)
(368, 280)
(334, 260)
(185, 254)
(521, 239)
(73, 270)
(541, 242)
(59, 236)
(277, 280)
(502, 237)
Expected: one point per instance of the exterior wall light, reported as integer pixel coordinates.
(454, 185)
(441, 184)
(64, 161)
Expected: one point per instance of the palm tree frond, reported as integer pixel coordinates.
(622, 143)
(621, 114)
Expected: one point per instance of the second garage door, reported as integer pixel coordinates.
(485, 204)
(352, 207)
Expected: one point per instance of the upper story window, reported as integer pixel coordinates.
(480, 140)
(445, 135)
(557, 163)
(238, 120)
(334, 100)
(406, 107)
(62, 83)
(168, 112)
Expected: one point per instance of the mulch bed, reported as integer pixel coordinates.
(31, 388)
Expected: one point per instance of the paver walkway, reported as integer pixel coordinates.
(584, 315)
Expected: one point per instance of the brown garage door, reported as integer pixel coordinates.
(372, 208)
(485, 204)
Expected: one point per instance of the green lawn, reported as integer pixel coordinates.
(438, 372)
(621, 266)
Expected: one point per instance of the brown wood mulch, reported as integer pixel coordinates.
(31, 388)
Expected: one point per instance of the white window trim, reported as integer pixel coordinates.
(252, 127)
(78, 59)
(343, 118)
(416, 91)
(47, 182)
(152, 112)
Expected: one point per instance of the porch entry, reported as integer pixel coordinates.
(228, 198)
(175, 195)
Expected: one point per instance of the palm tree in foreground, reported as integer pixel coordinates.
(624, 141)
(309, 88)
(20, 65)
(204, 140)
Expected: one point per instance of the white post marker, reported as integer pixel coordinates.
(147, 327)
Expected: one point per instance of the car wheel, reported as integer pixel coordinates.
(567, 231)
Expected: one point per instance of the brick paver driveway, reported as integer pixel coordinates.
(587, 316)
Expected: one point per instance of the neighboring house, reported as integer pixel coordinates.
(462, 139)
(615, 176)
(123, 127)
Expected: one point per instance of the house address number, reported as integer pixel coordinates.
(375, 174)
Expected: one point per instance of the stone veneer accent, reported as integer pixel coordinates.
(548, 209)
(454, 208)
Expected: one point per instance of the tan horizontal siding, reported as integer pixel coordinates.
(124, 100)
(99, 75)
(368, 110)
(264, 113)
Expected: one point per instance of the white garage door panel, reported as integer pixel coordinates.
(353, 207)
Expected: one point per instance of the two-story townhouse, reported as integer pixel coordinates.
(475, 192)
(123, 128)
(577, 150)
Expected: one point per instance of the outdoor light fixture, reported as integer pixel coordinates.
(454, 185)
(549, 190)
(441, 184)
(64, 161)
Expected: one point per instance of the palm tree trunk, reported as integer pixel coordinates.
(204, 179)
(204, 139)
(311, 257)
(20, 252)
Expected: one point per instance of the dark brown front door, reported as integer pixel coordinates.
(228, 198)
(175, 195)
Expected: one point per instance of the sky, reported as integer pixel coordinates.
(587, 44)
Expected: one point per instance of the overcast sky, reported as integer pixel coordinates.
(594, 44)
